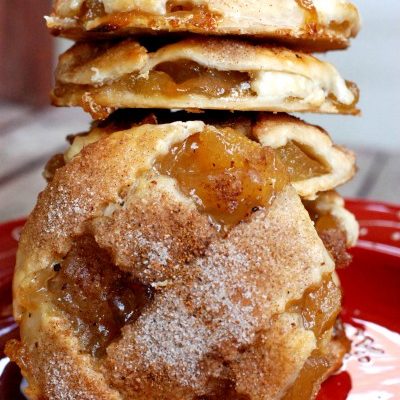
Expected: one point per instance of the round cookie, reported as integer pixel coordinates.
(130, 285)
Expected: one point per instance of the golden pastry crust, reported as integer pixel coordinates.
(277, 130)
(336, 226)
(318, 24)
(220, 314)
(332, 203)
(202, 73)
(271, 130)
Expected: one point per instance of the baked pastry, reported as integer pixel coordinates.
(313, 163)
(174, 261)
(320, 24)
(336, 226)
(288, 135)
(198, 73)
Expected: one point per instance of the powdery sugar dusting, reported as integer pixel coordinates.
(171, 336)
(59, 372)
(157, 252)
(59, 387)
(224, 294)
(66, 208)
(197, 317)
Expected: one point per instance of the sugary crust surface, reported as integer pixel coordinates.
(91, 184)
(95, 77)
(54, 366)
(319, 24)
(219, 308)
(272, 130)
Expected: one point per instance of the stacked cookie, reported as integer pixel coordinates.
(185, 246)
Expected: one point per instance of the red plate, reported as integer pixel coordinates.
(371, 309)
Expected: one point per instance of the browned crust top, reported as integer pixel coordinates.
(218, 299)
(290, 22)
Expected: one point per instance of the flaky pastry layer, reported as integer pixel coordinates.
(271, 130)
(333, 204)
(318, 24)
(225, 310)
(199, 73)
(277, 130)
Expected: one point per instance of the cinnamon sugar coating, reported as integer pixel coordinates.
(217, 322)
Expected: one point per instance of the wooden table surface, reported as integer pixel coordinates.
(28, 138)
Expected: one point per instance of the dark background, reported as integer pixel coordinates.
(26, 52)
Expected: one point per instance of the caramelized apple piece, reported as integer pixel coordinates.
(96, 295)
(227, 174)
(184, 77)
(319, 307)
(299, 164)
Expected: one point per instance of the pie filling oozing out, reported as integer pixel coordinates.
(229, 175)
(99, 298)
(319, 308)
(300, 164)
(186, 77)
(199, 14)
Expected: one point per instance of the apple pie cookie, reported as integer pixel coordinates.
(316, 24)
(174, 261)
(199, 73)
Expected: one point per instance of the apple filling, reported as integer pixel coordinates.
(227, 174)
(91, 9)
(195, 15)
(311, 20)
(319, 308)
(98, 297)
(185, 77)
(300, 164)
(346, 107)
